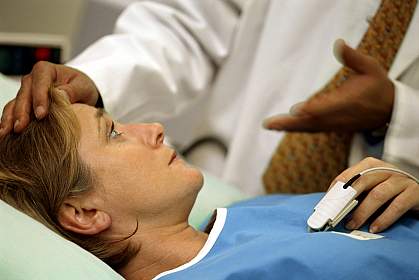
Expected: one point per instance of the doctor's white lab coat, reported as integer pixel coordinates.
(218, 68)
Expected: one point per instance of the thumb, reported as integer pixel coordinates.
(66, 91)
(77, 92)
(354, 59)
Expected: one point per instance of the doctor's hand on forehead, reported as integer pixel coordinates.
(34, 90)
(363, 102)
(400, 192)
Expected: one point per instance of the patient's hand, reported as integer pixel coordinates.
(363, 102)
(382, 187)
(34, 90)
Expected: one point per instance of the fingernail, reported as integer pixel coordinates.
(16, 124)
(295, 109)
(338, 50)
(267, 123)
(373, 229)
(39, 111)
(350, 225)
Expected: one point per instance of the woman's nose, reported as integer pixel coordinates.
(151, 134)
(157, 134)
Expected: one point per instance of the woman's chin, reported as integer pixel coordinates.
(198, 177)
(195, 178)
(191, 175)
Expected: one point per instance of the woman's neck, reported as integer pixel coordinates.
(164, 249)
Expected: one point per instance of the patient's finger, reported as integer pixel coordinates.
(365, 183)
(7, 118)
(364, 164)
(44, 76)
(399, 206)
(376, 198)
(22, 108)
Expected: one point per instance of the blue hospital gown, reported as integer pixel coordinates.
(267, 238)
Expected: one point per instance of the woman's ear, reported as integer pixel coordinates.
(88, 221)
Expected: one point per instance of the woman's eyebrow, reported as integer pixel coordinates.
(99, 115)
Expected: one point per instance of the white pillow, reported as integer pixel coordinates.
(29, 250)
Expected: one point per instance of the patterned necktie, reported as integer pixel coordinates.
(308, 162)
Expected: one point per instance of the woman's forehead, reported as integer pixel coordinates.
(82, 108)
(91, 121)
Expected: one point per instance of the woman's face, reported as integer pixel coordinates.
(138, 175)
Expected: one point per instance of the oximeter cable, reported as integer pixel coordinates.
(376, 169)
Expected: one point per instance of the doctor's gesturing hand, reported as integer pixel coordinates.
(363, 102)
(400, 192)
(34, 90)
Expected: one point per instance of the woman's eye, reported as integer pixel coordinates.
(114, 134)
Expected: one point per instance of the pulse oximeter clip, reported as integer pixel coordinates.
(340, 200)
(333, 207)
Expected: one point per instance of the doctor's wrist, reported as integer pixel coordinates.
(375, 136)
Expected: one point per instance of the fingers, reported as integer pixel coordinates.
(335, 104)
(82, 87)
(320, 113)
(335, 109)
(43, 76)
(68, 92)
(338, 49)
(32, 95)
(289, 123)
(366, 163)
(383, 187)
(7, 118)
(22, 107)
(64, 92)
(350, 107)
(408, 199)
(354, 59)
(377, 197)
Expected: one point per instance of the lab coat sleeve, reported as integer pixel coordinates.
(162, 57)
(401, 145)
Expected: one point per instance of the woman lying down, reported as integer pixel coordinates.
(119, 192)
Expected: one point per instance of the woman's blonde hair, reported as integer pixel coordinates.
(41, 167)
